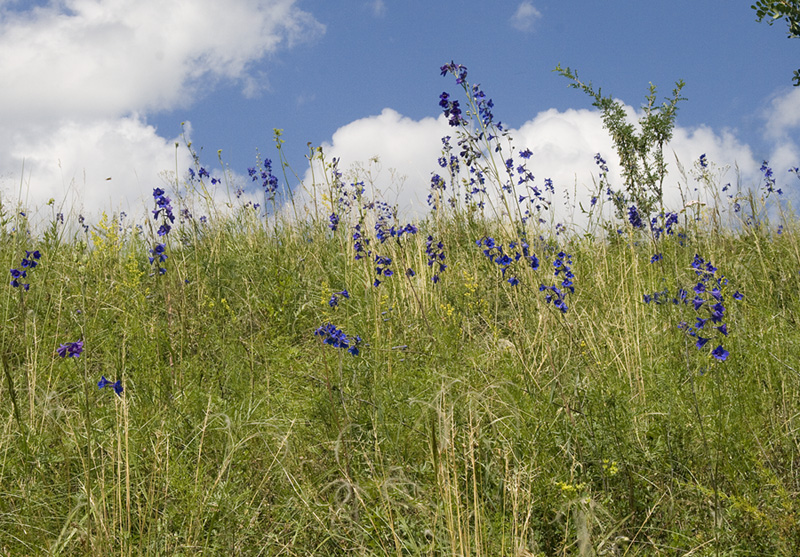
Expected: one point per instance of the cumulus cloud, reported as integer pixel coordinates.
(563, 145)
(80, 76)
(525, 16)
(71, 163)
(783, 115)
(406, 151)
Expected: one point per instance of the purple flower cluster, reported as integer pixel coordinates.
(602, 165)
(387, 213)
(360, 243)
(158, 256)
(334, 221)
(116, 385)
(769, 180)
(536, 201)
(334, 336)
(382, 268)
(664, 224)
(162, 211)
(662, 296)
(200, 174)
(484, 106)
(435, 252)
(448, 160)
(30, 261)
(70, 349)
(517, 251)
(438, 185)
(457, 70)
(709, 306)
(452, 110)
(334, 301)
(343, 197)
(634, 217)
(263, 171)
(562, 266)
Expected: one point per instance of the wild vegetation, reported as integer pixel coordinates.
(488, 380)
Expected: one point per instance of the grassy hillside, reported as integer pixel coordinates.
(482, 382)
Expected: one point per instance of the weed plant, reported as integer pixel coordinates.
(484, 381)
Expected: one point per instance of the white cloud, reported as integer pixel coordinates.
(111, 57)
(782, 119)
(783, 115)
(406, 149)
(525, 16)
(79, 73)
(378, 8)
(72, 161)
(563, 144)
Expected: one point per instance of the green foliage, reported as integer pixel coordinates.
(640, 151)
(789, 11)
(477, 418)
(773, 10)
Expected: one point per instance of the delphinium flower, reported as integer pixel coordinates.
(158, 256)
(477, 184)
(70, 349)
(769, 180)
(452, 110)
(342, 196)
(334, 301)
(517, 251)
(494, 252)
(448, 160)
(435, 252)
(663, 223)
(334, 221)
(657, 297)
(385, 214)
(360, 243)
(484, 105)
(634, 217)
(438, 186)
(263, 172)
(332, 335)
(162, 212)
(562, 266)
(202, 173)
(116, 385)
(28, 263)
(709, 307)
(535, 198)
(382, 268)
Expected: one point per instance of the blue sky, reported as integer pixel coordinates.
(99, 88)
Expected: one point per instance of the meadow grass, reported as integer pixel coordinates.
(261, 411)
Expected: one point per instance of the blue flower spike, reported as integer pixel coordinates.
(116, 385)
(70, 349)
